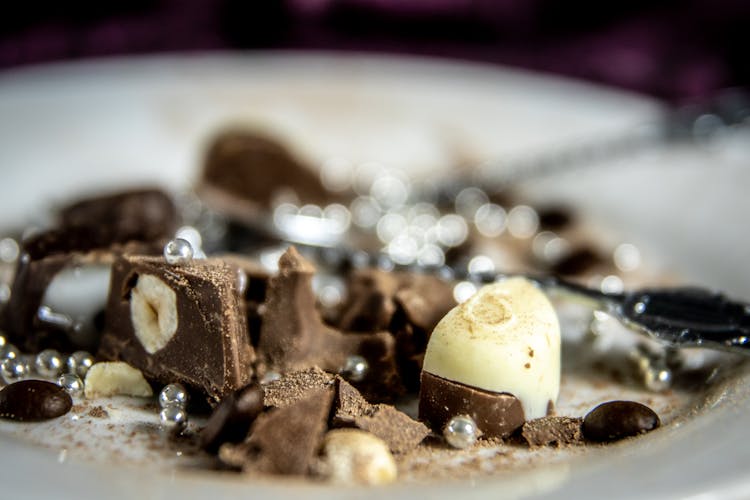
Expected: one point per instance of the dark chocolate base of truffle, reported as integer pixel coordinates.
(496, 414)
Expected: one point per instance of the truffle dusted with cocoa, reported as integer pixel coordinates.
(181, 323)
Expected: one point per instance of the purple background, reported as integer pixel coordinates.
(671, 49)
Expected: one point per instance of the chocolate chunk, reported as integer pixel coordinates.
(398, 430)
(294, 337)
(424, 299)
(579, 261)
(146, 215)
(34, 401)
(179, 324)
(244, 170)
(554, 218)
(295, 386)
(496, 414)
(231, 420)
(619, 419)
(284, 440)
(256, 282)
(552, 431)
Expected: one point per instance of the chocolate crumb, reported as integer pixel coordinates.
(295, 386)
(98, 412)
(553, 431)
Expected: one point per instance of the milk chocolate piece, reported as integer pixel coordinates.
(231, 420)
(294, 337)
(34, 401)
(617, 420)
(553, 431)
(496, 414)
(295, 386)
(179, 324)
(398, 430)
(244, 170)
(284, 440)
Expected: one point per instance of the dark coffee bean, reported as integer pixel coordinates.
(34, 401)
(619, 419)
(231, 420)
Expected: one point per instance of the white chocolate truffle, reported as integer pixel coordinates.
(505, 338)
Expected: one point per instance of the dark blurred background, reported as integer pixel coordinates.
(671, 49)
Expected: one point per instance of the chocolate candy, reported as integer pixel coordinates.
(34, 401)
(496, 358)
(179, 324)
(619, 419)
(231, 420)
(496, 414)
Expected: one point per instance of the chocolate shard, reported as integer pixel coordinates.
(181, 323)
(232, 418)
(284, 440)
(244, 170)
(496, 414)
(294, 386)
(31, 281)
(145, 215)
(424, 300)
(294, 337)
(398, 430)
(256, 283)
(553, 431)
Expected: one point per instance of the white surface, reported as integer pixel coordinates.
(73, 128)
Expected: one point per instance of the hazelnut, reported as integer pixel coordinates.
(113, 378)
(355, 456)
(153, 311)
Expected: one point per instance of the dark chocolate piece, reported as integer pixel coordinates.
(34, 401)
(619, 419)
(284, 440)
(399, 431)
(552, 431)
(579, 261)
(209, 349)
(496, 414)
(244, 170)
(294, 337)
(146, 215)
(231, 420)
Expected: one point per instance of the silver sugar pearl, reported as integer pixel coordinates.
(173, 418)
(178, 251)
(13, 370)
(355, 368)
(173, 395)
(79, 363)
(72, 383)
(461, 432)
(8, 351)
(49, 363)
(657, 377)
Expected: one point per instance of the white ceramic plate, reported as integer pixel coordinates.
(69, 129)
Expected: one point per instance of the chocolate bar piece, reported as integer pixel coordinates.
(146, 215)
(294, 337)
(496, 414)
(244, 171)
(181, 323)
